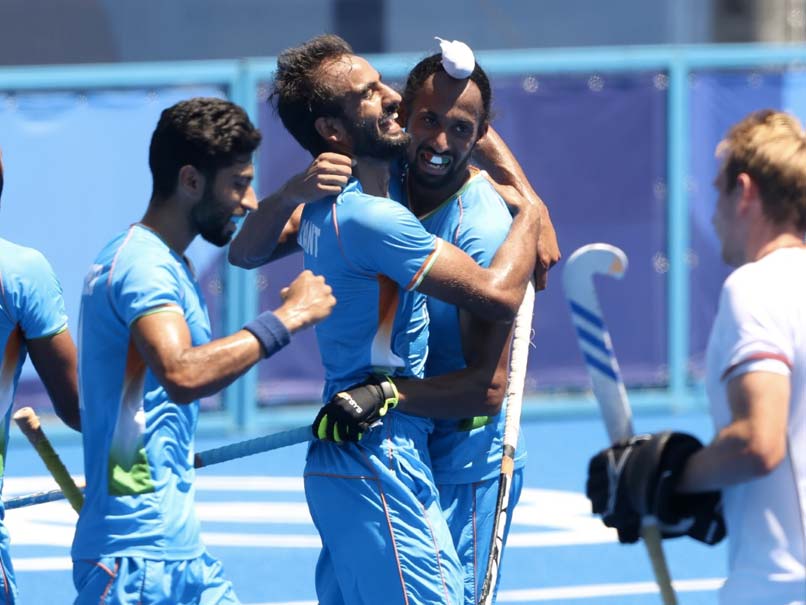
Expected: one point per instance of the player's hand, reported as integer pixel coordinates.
(308, 300)
(548, 250)
(638, 477)
(352, 412)
(327, 175)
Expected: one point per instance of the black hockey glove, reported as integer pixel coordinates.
(638, 478)
(351, 412)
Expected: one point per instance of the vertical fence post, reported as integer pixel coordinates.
(240, 293)
(678, 294)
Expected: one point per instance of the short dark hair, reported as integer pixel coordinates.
(433, 64)
(300, 95)
(204, 132)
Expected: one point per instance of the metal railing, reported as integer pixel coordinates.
(241, 79)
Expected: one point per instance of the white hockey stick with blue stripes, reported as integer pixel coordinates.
(608, 387)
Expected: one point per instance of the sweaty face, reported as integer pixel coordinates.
(370, 109)
(227, 196)
(444, 123)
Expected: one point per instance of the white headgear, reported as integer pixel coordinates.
(457, 58)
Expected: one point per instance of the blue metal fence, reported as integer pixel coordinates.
(242, 79)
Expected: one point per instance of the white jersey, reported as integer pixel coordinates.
(761, 326)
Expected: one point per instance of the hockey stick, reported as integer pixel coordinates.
(29, 424)
(521, 337)
(209, 457)
(608, 386)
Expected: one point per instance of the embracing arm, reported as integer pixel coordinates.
(271, 231)
(493, 155)
(477, 390)
(753, 444)
(54, 358)
(496, 292)
(268, 233)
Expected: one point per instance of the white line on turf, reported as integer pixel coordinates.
(603, 590)
(579, 592)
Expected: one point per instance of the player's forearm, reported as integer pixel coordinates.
(459, 394)
(730, 458)
(55, 360)
(492, 154)
(265, 233)
(204, 370)
(513, 264)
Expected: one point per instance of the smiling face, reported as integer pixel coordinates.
(369, 107)
(444, 121)
(228, 195)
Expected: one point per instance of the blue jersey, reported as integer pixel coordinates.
(138, 444)
(31, 306)
(373, 253)
(476, 220)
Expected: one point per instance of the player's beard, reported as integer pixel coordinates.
(369, 141)
(212, 219)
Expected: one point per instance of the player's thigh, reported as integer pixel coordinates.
(328, 590)
(382, 540)
(208, 582)
(469, 511)
(108, 580)
(135, 581)
(8, 590)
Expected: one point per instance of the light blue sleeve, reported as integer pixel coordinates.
(379, 235)
(38, 295)
(484, 224)
(142, 287)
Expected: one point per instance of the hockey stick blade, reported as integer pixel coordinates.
(608, 386)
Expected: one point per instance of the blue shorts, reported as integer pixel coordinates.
(469, 509)
(8, 590)
(377, 511)
(135, 581)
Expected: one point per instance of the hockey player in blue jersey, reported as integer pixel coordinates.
(32, 323)
(379, 259)
(446, 114)
(146, 358)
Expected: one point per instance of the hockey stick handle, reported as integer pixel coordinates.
(209, 457)
(519, 357)
(250, 447)
(29, 424)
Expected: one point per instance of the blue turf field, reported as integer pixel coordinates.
(255, 519)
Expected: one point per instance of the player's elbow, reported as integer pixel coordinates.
(73, 420)
(68, 413)
(180, 387)
(489, 393)
(764, 454)
(494, 399)
(503, 303)
(237, 257)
